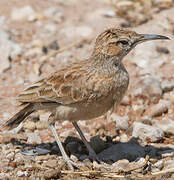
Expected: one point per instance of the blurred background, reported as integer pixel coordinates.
(40, 37)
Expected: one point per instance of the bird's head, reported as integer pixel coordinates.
(119, 42)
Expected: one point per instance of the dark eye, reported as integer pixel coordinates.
(123, 42)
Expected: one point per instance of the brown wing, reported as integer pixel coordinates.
(62, 87)
(70, 85)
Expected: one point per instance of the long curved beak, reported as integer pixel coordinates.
(148, 37)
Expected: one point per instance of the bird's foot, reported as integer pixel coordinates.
(92, 157)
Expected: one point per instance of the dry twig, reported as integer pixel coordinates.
(110, 174)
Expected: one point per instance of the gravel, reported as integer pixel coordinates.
(27, 37)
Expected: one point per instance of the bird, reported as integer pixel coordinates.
(85, 89)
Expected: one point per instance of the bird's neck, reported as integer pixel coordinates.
(107, 64)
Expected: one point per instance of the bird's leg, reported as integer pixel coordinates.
(92, 154)
(53, 130)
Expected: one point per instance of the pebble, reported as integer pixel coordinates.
(54, 45)
(147, 133)
(44, 116)
(154, 170)
(41, 125)
(159, 164)
(139, 109)
(4, 175)
(167, 86)
(121, 165)
(22, 173)
(42, 157)
(19, 159)
(123, 138)
(137, 163)
(125, 101)
(121, 121)
(8, 49)
(37, 43)
(33, 52)
(169, 154)
(109, 13)
(52, 174)
(54, 13)
(163, 4)
(172, 98)
(168, 164)
(102, 12)
(150, 87)
(163, 50)
(10, 155)
(33, 138)
(52, 163)
(158, 109)
(29, 125)
(4, 139)
(50, 28)
(3, 22)
(24, 13)
(166, 124)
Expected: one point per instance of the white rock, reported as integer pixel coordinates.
(33, 138)
(148, 86)
(120, 164)
(8, 49)
(167, 86)
(146, 132)
(159, 164)
(44, 116)
(109, 13)
(169, 164)
(3, 21)
(22, 173)
(172, 98)
(123, 138)
(158, 109)
(10, 155)
(166, 124)
(25, 13)
(51, 28)
(121, 121)
(54, 13)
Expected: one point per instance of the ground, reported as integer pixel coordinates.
(137, 140)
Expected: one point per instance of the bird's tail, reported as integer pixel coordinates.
(18, 117)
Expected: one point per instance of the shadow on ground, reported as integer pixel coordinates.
(108, 152)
